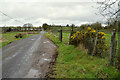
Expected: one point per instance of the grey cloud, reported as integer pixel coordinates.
(49, 12)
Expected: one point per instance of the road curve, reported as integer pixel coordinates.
(17, 57)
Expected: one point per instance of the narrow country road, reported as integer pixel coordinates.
(27, 58)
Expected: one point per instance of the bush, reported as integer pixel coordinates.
(77, 38)
(19, 35)
(87, 38)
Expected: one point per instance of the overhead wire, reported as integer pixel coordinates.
(11, 17)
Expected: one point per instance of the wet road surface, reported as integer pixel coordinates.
(27, 58)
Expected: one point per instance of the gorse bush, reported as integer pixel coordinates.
(87, 38)
(77, 38)
(19, 35)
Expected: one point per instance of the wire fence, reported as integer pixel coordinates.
(91, 44)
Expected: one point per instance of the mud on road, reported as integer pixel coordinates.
(44, 56)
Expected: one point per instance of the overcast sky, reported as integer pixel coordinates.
(37, 12)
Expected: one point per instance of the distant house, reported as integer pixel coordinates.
(28, 26)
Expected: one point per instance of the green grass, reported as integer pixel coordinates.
(66, 36)
(58, 28)
(108, 38)
(74, 62)
(9, 37)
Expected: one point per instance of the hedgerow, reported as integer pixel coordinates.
(88, 38)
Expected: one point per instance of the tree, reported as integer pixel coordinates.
(9, 29)
(45, 26)
(113, 24)
(83, 26)
(96, 25)
(108, 10)
(72, 26)
(19, 28)
(67, 25)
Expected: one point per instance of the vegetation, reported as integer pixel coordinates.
(19, 35)
(74, 62)
(20, 29)
(87, 38)
(10, 37)
(45, 26)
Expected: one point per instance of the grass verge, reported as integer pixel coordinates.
(9, 37)
(74, 62)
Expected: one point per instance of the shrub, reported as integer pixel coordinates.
(18, 35)
(87, 38)
(76, 38)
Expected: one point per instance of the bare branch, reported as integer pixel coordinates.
(107, 9)
(116, 12)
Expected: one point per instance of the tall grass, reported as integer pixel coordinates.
(74, 62)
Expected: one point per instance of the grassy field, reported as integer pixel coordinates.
(74, 62)
(66, 36)
(9, 37)
(63, 28)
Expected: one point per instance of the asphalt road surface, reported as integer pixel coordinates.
(27, 58)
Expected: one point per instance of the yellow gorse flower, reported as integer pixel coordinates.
(103, 37)
(77, 32)
(80, 36)
(102, 33)
(93, 30)
(89, 28)
(73, 36)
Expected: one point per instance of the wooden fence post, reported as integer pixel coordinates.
(112, 47)
(94, 48)
(60, 35)
(71, 35)
(118, 51)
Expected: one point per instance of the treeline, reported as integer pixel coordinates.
(46, 26)
(96, 26)
(9, 29)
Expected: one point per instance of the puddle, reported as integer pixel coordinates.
(43, 54)
(46, 42)
(46, 59)
(42, 60)
(32, 74)
(32, 39)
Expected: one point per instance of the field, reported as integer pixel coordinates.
(9, 37)
(74, 62)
